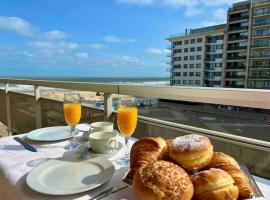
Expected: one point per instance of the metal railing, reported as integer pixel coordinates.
(255, 98)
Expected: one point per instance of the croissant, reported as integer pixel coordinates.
(144, 151)
(227, 163)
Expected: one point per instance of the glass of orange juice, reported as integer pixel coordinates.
(72, 113)
(127, 121)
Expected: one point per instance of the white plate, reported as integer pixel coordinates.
(58, 177)
(50, 133)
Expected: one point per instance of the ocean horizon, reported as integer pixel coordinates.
(126, 80)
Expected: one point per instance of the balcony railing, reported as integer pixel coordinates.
(231, 38)
(236, 57)
(237, 47)
(235, 67)
(233, 19)
(238, 28)
(243, 148)
(262, 23)
(235, 76)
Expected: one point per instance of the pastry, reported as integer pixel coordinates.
(214, 184)
(162, 180)
(229, 164)
(144, 151)
(191, 151)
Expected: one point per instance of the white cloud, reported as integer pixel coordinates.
(139, 2)
(209, 23)
(28, 54)
(54, 45)
(192, 7)
(112, 39)
(16, 24)
(156, 51)
(54, 35)
(220, 13)
(115, 39)
(83, 55)
(95, 46)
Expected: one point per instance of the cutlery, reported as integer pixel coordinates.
(125, 183)
(25, 144)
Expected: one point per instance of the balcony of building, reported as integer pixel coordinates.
(237, 38)
(264, 64)
(232, 83)
(238, 18)
(237, 29)
(239, 9)
(260, 3)
(235, 74)
(214, 112)
(260, 23)
(235, 47)
(261, 54)
(236, 56)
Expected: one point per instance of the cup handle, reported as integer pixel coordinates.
(112, 144)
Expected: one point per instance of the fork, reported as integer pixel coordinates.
(124, 184)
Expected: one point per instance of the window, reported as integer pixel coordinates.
(191, 57)
(192, 41)
(192, 49)
(198, 65)
(191, 73)
(177, 58)
(186, 50)
(199, 48)
(177, 74)
(185, 66)
(184, 73)
(199, 40)
(184, 82)
(177, 66)
(185, 57)
(191, 66)
(178, 43)
(197, 82)
(186, 41)
(177, 50)
(191, 82)
(198, 73)
(198, 57)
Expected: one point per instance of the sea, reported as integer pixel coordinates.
(155, 81)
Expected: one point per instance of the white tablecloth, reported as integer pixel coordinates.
(17, 162)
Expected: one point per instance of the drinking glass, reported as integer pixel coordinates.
(127, 122)
(72, 113)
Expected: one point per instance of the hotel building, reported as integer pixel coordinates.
(197, 57)
(241, 59)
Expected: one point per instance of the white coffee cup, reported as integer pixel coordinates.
(103, 141)
(101, 126)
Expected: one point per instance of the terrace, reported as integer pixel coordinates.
(23, 112)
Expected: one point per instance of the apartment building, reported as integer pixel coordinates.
(234, 55)
(259, 71)
(197, 57)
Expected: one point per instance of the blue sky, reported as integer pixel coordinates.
(100, 38)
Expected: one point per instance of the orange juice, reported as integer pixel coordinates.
(72, 112)
(127, 120)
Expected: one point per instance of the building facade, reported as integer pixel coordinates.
(197, 57)
(234, 55)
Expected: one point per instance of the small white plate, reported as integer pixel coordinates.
(50, 133)
(58, 177)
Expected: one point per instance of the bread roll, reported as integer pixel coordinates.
(191, 151)
(223, 161)
(229, 164)
(214, 184)
(144, 151)
(162, 180)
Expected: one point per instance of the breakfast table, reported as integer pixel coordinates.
(17, 162)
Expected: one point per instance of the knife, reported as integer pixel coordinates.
(25, 144)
